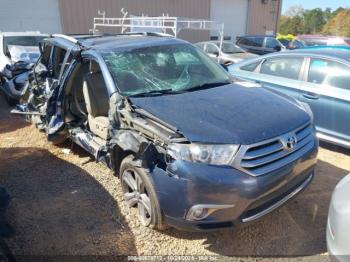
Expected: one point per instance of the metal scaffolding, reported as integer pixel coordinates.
(164, 24)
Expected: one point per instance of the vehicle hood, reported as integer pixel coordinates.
(228, 114)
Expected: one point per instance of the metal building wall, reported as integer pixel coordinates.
(30, 15)
(263, 16)
(77, 15)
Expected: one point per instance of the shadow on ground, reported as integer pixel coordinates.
(297, 229)
(59, 209)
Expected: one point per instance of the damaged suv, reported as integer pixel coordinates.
(193, 149)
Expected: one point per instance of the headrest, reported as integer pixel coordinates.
(94, 67)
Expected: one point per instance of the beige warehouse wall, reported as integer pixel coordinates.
(263, 17)
(77, 15)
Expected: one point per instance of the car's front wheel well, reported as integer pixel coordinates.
(118, 156)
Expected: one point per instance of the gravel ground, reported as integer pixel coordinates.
(67, 204)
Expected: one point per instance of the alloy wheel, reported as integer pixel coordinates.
(135, 194)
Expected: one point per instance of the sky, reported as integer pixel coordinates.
(310, 4)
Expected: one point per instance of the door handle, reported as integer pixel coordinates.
(310, 95)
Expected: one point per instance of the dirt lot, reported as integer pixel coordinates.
(66, 204)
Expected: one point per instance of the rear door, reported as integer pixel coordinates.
(281, 73)
(327, 90)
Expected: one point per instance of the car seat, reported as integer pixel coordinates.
(97, 101)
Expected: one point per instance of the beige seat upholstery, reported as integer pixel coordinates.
(97, 101)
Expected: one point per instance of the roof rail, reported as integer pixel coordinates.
(69, 38)
(146, 34)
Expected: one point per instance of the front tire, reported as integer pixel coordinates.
(139, 192)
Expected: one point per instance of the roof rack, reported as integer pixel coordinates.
(159, 26)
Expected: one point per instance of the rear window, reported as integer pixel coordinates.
(252, 41)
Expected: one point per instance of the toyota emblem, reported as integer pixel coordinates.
(291, 141)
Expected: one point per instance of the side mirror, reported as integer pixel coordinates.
(216, 54)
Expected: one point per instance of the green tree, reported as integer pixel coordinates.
(292, 25)
(314, 21)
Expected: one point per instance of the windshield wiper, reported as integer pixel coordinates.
(207, 86)
(157, 92)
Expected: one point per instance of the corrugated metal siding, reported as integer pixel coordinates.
(77, 15)
(263, 17)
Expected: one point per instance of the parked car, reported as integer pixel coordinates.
(13, 80)
(292, 44)
(319, 77)
(18, 53)
(19, 46)
(321, 40)
(193, 149)
(260, 44)
(229, 53)
(338, 225)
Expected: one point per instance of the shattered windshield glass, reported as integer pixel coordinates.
(163, 69)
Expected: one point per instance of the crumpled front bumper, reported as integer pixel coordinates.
(186, 184)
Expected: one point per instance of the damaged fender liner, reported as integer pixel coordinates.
(144, 134)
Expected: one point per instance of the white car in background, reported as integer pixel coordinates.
(19, 46)
(338, 225)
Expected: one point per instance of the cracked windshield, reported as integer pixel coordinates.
(166, 69)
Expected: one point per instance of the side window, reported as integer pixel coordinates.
(250, 67)
(212, 49)
(256, 41)
(242, 41)
(287, 67)
(252, 41)
(57, 61)
(330, 73)
(271, 43)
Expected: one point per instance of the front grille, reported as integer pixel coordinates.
(270, 155)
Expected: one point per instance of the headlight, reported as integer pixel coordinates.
(203, 153)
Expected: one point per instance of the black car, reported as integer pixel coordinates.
(260, 44)
(193, 149)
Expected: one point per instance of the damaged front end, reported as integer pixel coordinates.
(140, 133)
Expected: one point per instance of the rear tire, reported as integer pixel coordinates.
(139, 192)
